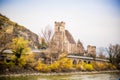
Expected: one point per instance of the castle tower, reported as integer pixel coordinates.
(62, 40)
(59, 27)
(80, 48)
(91, 50)
(59, 35)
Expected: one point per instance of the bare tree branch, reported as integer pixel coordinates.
(47, 34)
(114, 54)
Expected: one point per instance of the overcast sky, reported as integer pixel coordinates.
(94, 22)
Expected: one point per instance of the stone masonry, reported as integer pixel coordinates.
(62, 41)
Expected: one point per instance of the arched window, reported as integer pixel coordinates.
(79, 61)
(74, 62)
(89, 62)
(85, 61)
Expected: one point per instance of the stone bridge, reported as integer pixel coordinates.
(78, 59)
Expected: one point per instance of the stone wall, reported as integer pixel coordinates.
(63, 41)
(80, 48)
(60, 39)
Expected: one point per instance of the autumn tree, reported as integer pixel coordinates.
(19, 47)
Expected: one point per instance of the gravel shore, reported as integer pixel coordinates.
(61, 73)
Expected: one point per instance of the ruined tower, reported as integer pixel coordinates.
(91, 50)
(62, 39)
(80, 48)
(59, 34)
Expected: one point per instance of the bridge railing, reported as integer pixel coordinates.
(87, 58)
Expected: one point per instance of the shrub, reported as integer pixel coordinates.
(65, 64)
(31, 61)
(22, 62)
(89, 67)
(111, 66)
(19, 47)
(83, 66)
(54, 66)
(99, 66)
(103, 66)
(42, 67)
(79, 67)
(9, 64)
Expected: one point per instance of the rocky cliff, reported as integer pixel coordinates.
(10, 30)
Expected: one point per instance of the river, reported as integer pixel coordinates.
(105, 76)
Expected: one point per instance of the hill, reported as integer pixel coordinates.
(10, 30)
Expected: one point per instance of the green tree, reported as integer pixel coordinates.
(19, 47)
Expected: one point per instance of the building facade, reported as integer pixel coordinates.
(62, 39)
(80, 48)
(91, 50)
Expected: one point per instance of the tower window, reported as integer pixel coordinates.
(58, 28)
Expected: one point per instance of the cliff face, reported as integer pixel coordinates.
(10, 30)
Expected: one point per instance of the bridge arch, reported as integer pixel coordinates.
(79, 61)
(75, 61)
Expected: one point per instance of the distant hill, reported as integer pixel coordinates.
(10, 30)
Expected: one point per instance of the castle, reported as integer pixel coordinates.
(62, 41)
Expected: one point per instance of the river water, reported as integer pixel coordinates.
(105, 76)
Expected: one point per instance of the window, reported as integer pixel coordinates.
(58, 28)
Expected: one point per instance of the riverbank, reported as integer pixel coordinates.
(66, 73)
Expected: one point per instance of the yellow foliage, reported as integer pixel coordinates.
(89, 67)
(65, 63)
(31, 58)
(22, 61)
(13, 57)
(110, 66)
(84, 66)
(42, 67)
(20, 43)
(103, 65)
(10, 64)
(79, 67)
(39, 66)
(19, 47)
(54, 66)
(98, 65)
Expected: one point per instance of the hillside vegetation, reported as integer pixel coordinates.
(10, 30)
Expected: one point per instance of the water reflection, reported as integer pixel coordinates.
(112, 76)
